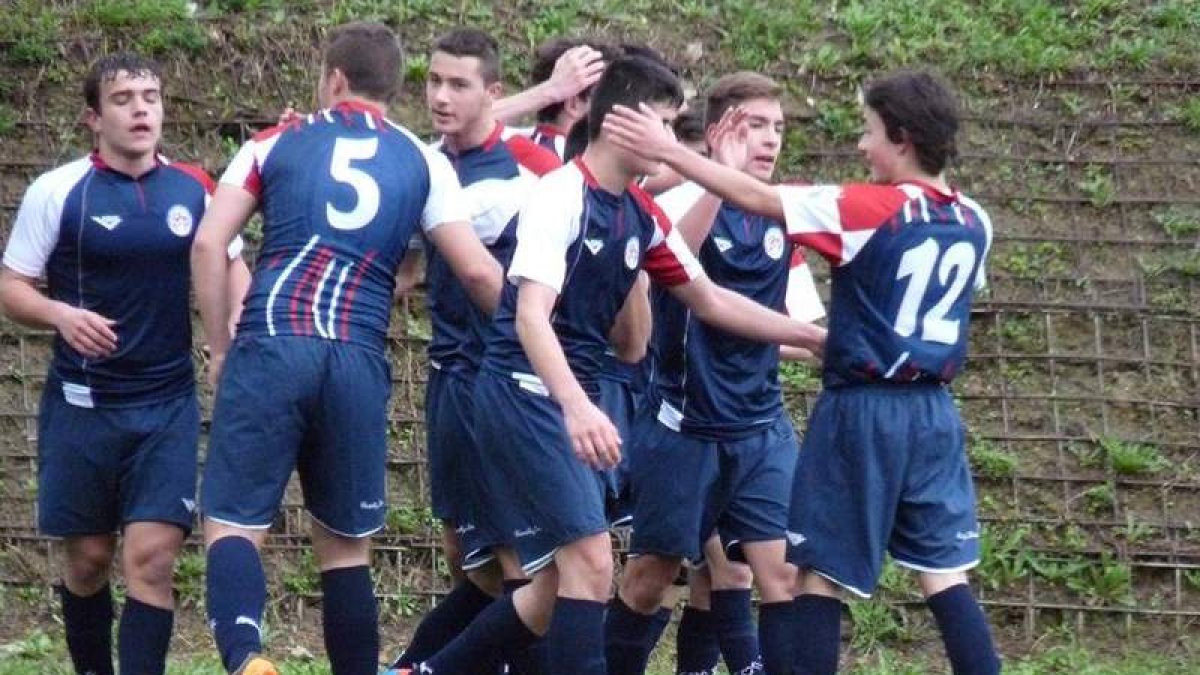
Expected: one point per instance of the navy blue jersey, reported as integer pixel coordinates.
(118, 246)
(588, 245)
(905, 260)
(342, 192)
(497, 178)
(714, 384)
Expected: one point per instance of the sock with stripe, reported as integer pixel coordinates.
(236, 598)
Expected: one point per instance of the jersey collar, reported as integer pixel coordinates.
(933, 192)
(358, 106)
(101, 165)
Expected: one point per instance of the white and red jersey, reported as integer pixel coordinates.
(588, 245)
(904, 260)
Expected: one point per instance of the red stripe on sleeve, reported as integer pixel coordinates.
(197, 173)
(532, 156)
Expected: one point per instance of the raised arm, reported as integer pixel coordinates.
(741, 316)
(642, 132)
(576, 70)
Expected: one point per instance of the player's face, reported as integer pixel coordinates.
(455, 92)
(129, 121)
(764, 117)
(883, 156)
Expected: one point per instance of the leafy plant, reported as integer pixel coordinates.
(1004, 556)
(1099, 498)
(1132, 459)
(875, 622)
(1179, 221)
(300, 577)
(1106, 582)
(1097, 185)
(991, 460)
(189, 579)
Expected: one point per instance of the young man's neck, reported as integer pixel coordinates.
(472, 136)
(604, 163)
(937, 182)
(360, 101)
(131, 165)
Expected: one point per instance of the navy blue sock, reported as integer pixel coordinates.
(350, 620)
(734, 623)
(237, 595)
(776, 636)
(144, 637)
(495, 633)
(532, 659)
(630, 636)
(818, 636)
(964, 631)
(451, 617)
(576, 637)
(697, 651)
(88, 621)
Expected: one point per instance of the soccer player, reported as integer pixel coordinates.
(882, 467)
(722, 454)
(307, 384)
(498, 169)
(118, 424)
(580, 247)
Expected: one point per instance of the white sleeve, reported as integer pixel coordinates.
(35, 230)
(446, 202)
(546, 227)
(236, 247)
(680, 199)
(802, 301)
(243, 169)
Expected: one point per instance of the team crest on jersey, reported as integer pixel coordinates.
(773, 243)
(180, 220)
(633, 249)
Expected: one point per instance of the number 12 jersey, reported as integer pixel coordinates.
(905, 259)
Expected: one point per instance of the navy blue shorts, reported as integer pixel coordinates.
(302, 403)
(618, 401)
(883, 468)
(686, 488)
(534, 488)
(102, 468)
(453, 459)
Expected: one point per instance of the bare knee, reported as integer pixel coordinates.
(88, 563)
(585, 568)
(933, 583)
(645, 581)
(148, 560)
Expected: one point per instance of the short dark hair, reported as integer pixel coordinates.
(648, 52)
(919, 107)
(473, 42)
(629, 81)
(734, 89)
(689, 125)
(577, 140)
(107, 68)
(548, 54)
(369, 55)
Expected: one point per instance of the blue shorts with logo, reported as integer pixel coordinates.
(100, 469)
(535, 490)
(314, 405)
(883, 468)
(453, 458)
(686, 488)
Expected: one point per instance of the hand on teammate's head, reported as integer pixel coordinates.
(640, 131)
(728, 138)
(576, 70)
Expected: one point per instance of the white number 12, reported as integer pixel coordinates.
(918, 263)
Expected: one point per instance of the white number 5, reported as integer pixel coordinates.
(918, 263)
(345, 150)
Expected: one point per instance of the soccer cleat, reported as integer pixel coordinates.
(256, 665)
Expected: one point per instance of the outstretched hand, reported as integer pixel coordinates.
(641, 132)
(728, 139)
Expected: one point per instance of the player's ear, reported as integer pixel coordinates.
(91, 118)
(339, 84)
(495, 90)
